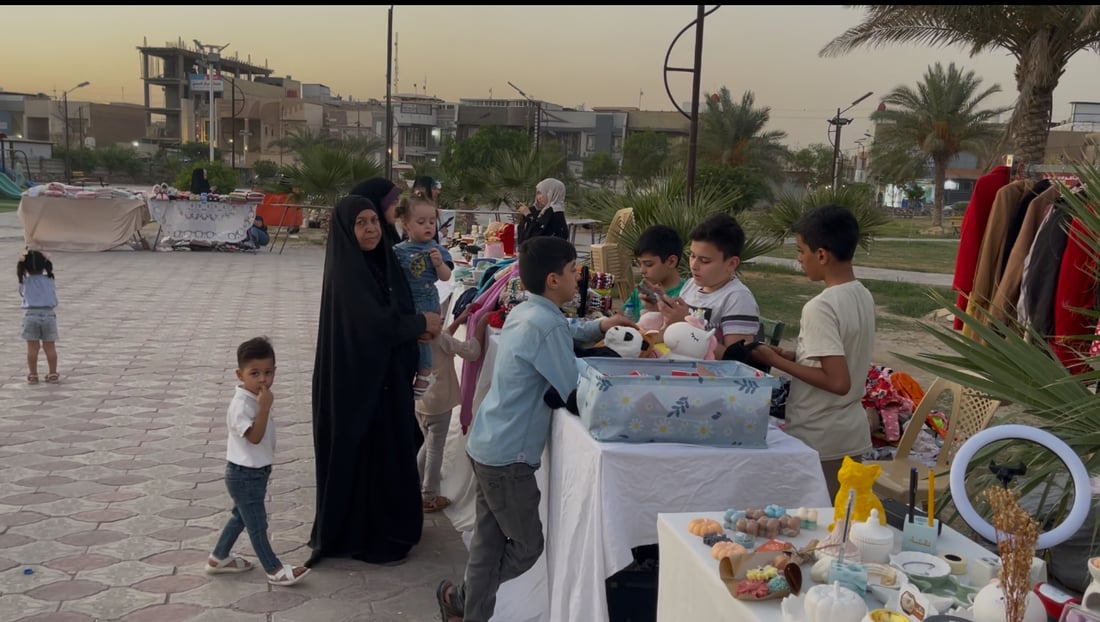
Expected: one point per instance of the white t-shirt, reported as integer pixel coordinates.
(729, 310)
(840, 321)
(239, 417)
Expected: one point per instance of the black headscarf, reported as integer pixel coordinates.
(199, 182)
(378, 189)
(364, 429)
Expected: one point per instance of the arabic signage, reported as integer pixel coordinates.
(201, 83)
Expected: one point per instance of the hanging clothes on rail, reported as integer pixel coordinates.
(972, 230)
(987, 273)
(1076, 290)
(1004, 300)
(1043, 264)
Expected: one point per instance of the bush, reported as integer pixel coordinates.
(222, 178)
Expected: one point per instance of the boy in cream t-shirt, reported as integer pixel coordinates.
(835, 341)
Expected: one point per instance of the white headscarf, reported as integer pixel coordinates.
(554, 191)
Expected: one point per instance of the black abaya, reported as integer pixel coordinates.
(364, 429)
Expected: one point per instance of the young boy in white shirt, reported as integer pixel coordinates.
(835, 342)
(249, 452)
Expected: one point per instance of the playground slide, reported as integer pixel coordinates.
(8, 189)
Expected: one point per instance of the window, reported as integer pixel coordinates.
(416, 137)
(590, 143)
(616, 144)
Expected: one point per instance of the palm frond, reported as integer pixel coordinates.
(777, 221)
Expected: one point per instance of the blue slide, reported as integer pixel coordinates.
(8, 189)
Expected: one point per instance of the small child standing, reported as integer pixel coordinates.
(829, 367)
(36, 286)
(249, 452)
(424, 262)
(433, 411)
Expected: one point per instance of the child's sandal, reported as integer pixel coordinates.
(32, 378)
(53, 378)
(231, 564)
(285, 575)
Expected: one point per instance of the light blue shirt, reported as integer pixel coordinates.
(535, 353)
(38, 291)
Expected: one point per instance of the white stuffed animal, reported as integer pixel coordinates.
(625, 341)
(685, 341)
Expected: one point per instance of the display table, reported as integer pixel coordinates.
(690, 588)
(69, 224)
(603, 499)
(202, 221)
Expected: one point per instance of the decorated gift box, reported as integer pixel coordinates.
(714, 403)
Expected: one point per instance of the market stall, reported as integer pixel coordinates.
(204, 222)
(57, 217)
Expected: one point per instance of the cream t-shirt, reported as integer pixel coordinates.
(239, 417)
(840, 321)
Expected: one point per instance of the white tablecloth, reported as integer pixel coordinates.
(602, 499)
(201, 221)
(690, 589)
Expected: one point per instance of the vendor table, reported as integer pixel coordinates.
(92, 224)
(690, 588)
(602, 499)
(203, 221)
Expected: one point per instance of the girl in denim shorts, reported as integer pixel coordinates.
(36, 286)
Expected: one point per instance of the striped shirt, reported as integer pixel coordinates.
(729, 310)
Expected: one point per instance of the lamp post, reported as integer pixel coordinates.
(211, 54)
(65, 100)
(693, 132)
(840, 123)
(389, 100)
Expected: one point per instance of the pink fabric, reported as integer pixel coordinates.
(471, 370)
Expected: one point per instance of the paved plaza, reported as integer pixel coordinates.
(111, 492)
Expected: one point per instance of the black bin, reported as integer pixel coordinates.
(632, 591)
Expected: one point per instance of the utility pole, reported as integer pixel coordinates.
(840, 122)
(389, 101)
(211, 54)
(693, 134)
(68, 155)
(537, 122)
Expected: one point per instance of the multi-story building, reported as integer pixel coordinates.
(422, 124)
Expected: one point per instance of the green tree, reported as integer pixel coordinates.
(938, 120)
(81, 158)
(119, 159)
(193, 152)
(733, 134)
(1042, 39)
(811, 166)
(600, 169)
(300, 139)
(644, 155)
(466, 165)
(744, 185)
(265, 169)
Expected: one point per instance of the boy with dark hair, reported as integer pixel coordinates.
(829, 368)
(714, 293)
(250, 450)
(509, 433)
(658, 251)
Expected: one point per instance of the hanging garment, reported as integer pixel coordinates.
(1007, 294)
(987, 273)
(972, 230)
(1017, 220)
(1040, 282)
(1076, 290)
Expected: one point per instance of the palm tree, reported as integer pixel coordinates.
(325, 173)
(734, 135)
(1042, 39)
(301, 139)
(859, 198)
(939, 119)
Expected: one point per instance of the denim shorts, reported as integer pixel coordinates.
(40, 325)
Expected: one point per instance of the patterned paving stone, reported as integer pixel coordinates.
(30, 498)
(113, 603)
(75, 563)
(10, 540)
(113, 496)
(92, 538)
(18, 606)
(123, 573)
(181, 534)
(164, 613)
(39, 551)
(45, 480)
(319, 609)
(50, 529)
(67, 590)
(179, 558)
(6, 563)
(102, 516)
(57, 616)
(268, 602)
(188, 512)
(14, 519)
(171, 584)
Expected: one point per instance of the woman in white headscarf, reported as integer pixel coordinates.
(548, 215)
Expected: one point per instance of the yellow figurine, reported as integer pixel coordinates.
(861, 477)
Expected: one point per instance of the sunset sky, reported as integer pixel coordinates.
(570, 55)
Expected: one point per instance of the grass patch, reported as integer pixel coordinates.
(925, 256)
(9, 205)
(780, 293)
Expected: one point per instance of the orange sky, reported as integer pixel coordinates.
(595, 55)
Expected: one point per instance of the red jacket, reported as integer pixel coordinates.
(971, 231)
(1076, 290)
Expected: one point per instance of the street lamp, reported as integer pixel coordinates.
(840, 123)
(211, 55)
(65, 99)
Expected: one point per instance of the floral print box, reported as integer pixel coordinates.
(714, 403)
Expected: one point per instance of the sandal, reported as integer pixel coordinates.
(446, 609)
(32, 378)
(53, 377)
(422, 384)
(286, 576)
(436, 503)
(231, 564)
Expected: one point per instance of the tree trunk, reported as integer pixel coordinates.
(1037, 74)
(939, 175)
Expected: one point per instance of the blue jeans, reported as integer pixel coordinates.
(258, 236)
(247, 487)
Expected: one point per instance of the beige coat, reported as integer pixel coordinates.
(444, 393)
(1008, 290)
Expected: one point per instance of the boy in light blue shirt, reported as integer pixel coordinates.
(509, 434)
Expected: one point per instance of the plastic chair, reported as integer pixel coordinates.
(970, 413)
(615, 259)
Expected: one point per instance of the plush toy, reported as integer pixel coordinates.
(861, 478)
(625, 341)
(651, 321)
(687, 340)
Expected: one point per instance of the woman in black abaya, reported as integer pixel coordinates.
(364, 431)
